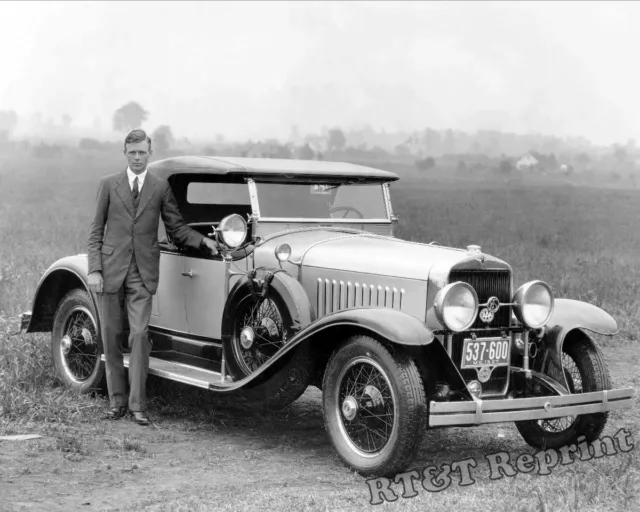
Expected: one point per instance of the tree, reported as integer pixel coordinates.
(505, 167)
(66, 120)
(162, 138)
(129, 117)
(337, 140)
(620, 154)
(8, 123)
(583, 159)
(426, 164)
(402, 150)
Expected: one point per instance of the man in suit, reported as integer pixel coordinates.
(127, 257)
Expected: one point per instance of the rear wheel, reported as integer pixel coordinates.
(585, 370)
(374, 406)
(76, 346)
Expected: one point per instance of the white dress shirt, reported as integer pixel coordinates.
(132, 176)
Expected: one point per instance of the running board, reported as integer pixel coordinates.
(181, 372)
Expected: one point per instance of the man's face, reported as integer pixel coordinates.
(137, 154)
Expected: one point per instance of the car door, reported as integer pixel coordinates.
(208, 200)
(204, 295)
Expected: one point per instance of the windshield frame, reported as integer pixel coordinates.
(255, 202)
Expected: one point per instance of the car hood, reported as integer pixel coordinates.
(389, 256)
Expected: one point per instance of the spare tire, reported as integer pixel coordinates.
(264, 311)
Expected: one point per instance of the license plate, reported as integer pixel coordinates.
(485, 352)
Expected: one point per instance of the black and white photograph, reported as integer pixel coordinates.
(319, 256)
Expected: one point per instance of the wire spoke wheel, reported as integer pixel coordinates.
(76, 344)
(585, 371)
(367, 405)
(79, 347)
(374, 405)
(260, 333)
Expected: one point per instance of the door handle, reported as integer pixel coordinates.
(188, 274)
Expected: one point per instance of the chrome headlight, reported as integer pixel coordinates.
(533, 304)
(456, 306)
(233, 230)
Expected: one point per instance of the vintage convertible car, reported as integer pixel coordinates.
(313, 288)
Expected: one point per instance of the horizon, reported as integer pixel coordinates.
(560, 69)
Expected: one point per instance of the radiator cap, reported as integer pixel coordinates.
(473, 249)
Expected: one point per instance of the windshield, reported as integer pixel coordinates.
(322, 201)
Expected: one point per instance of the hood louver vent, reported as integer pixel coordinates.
(333, 295)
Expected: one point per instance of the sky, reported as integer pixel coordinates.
(254, 69)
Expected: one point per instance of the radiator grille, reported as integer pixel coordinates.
(488, 283)
(334, 295)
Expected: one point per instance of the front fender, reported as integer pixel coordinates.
(570, 315)
(62, 276)
(396, 326)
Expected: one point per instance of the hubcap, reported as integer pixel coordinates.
(65, 344)
(349, 408)
(260, 333)
(246, 338)
(366, 406)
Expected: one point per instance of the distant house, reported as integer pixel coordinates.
(526, 163)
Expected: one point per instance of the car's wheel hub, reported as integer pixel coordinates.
(247, 337)
(366, 406)
(349, 408)
(65, 344)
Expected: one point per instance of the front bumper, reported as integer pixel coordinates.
(477, 412)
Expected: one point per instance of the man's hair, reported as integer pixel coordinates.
(136, 136)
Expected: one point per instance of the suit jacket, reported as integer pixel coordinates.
(129, 232)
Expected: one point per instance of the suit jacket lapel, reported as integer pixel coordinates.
(148, 189)
(124, 192)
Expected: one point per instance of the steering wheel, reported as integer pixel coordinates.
(347, 210)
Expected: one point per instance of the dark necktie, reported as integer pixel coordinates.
(135, 193)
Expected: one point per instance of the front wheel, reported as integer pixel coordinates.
(76, 346)
(585, 370)
(374, 406)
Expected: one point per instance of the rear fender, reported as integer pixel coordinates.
(60, 278)
(570, 318)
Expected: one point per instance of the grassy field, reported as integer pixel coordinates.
(580, 238)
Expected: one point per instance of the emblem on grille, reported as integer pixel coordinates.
(493, 304)
(484, 373)
(486, 316)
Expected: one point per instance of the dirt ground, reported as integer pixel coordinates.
(223, 460)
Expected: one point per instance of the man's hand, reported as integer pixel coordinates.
(210, 244)
(96, 283)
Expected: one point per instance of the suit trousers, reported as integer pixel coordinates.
(138, 302)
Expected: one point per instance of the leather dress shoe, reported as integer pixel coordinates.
(140, 418)
(116, 413)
